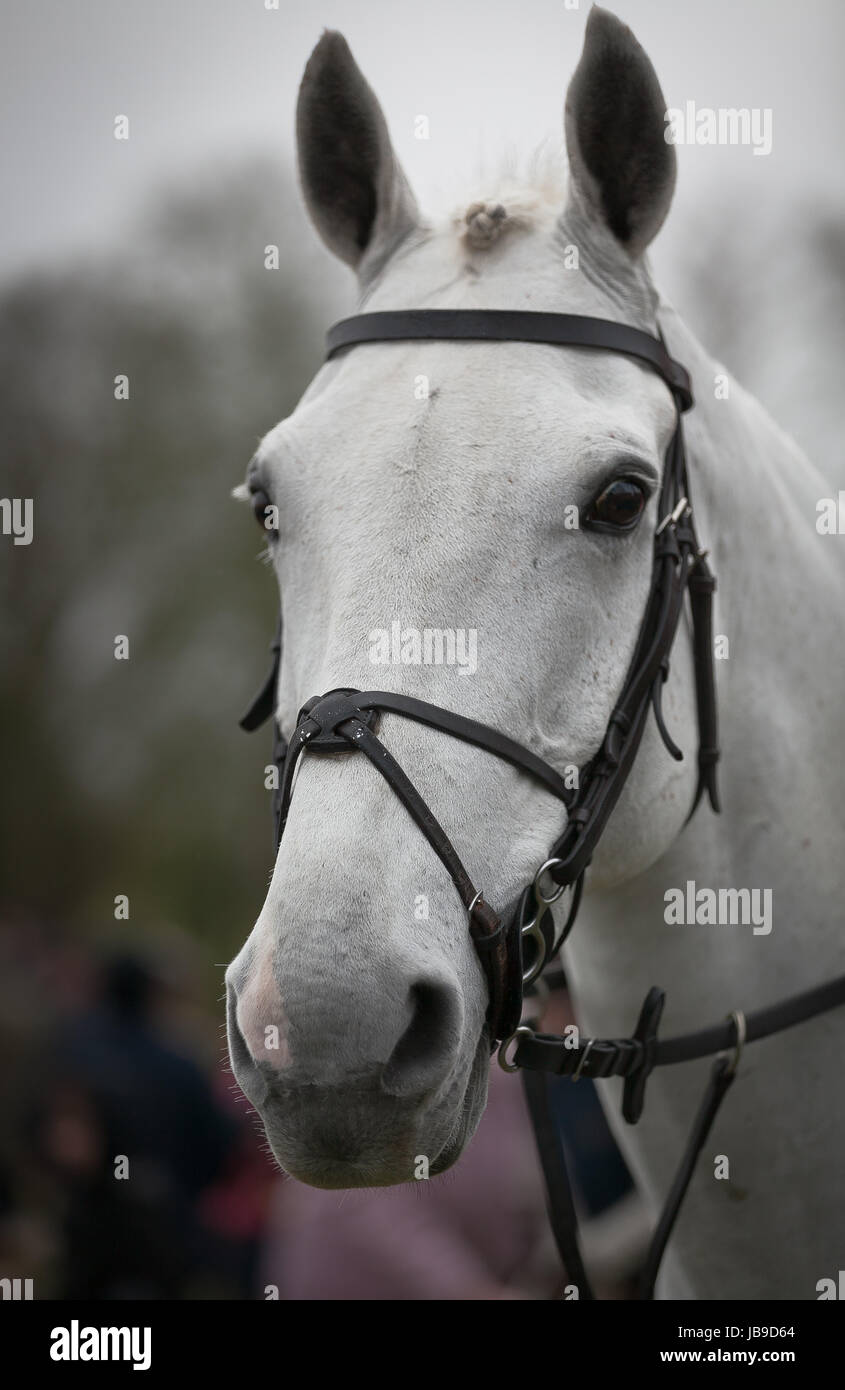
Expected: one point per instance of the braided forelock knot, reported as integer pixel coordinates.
(484, 222)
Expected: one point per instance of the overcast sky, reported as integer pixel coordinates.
(204, 80)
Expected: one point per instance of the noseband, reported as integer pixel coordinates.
(515, 945)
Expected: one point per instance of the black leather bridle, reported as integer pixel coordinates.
(514, 947)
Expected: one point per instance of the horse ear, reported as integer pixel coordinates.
(356, 193)
(622, 170)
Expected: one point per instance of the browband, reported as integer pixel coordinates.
(513, 326)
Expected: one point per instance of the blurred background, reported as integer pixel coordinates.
(146, 257)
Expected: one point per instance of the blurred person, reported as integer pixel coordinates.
(119, 1092)
(236, 1206)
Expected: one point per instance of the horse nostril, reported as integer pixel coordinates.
(423, 1055)
(246, 1073)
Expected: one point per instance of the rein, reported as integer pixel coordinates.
(515, 946)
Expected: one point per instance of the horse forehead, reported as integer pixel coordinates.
(414, 484)
(390, 398)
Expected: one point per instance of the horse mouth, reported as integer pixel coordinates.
(344, 1137)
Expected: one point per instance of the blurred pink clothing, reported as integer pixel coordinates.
(479, 1231)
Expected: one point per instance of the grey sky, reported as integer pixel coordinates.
(203, 80)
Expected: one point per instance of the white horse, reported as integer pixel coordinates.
(446, 508)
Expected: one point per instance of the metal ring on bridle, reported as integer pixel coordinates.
(540, 896)
(738, 1018)
(576, 1075)
(521, 1032)
(532, 931)
(674, 516)
(476, 899)
(536, 1002)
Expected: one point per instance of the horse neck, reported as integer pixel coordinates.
(781, 589)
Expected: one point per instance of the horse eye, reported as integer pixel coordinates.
(620, 506)
(264, 511)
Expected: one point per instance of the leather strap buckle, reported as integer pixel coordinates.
(672, 518)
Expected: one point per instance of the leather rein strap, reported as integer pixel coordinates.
(345, 719)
